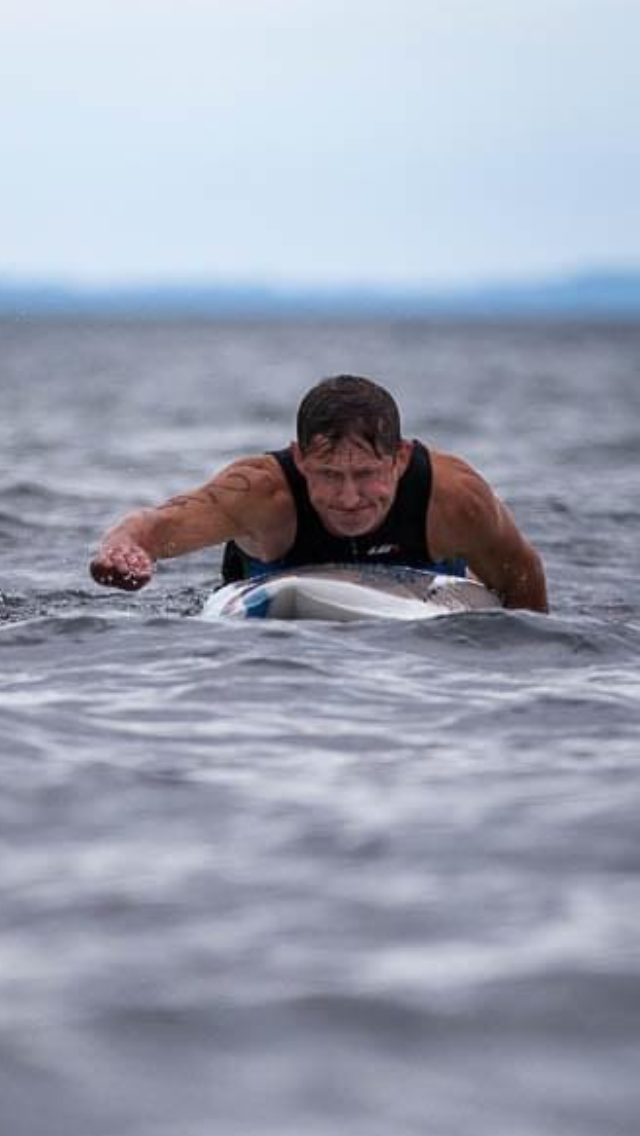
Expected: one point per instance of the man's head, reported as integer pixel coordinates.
(351, 453)
(348, 406)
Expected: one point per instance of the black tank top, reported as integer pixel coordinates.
(400, 539)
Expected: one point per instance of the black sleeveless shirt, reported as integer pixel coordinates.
(400, 539)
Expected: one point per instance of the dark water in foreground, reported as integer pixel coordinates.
(308, 879)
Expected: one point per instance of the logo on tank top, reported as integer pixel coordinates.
(383, 549)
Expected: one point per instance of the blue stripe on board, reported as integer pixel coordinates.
(257, 603)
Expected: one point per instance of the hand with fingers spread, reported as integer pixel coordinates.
(122, 565)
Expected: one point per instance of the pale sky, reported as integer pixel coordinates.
(318, 141)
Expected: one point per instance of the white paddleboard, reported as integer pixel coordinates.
(348, 592)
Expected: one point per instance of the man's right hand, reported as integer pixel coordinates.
(123, 565)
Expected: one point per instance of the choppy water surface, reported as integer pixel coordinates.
(283, 879)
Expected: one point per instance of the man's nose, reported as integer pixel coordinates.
(349, 495)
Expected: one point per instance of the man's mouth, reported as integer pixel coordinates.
(352, 514)
(350, 518)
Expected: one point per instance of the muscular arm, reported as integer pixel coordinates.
(469, 520)
(233, 503)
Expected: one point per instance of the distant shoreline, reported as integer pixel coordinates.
(586, 295)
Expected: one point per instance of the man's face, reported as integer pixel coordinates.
(350, 486)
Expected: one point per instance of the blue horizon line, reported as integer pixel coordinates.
(261, 282)
(603, 290)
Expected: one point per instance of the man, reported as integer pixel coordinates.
(350, 489)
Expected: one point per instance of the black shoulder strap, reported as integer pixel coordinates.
(236, 564)
(295, 480)
(406, 523)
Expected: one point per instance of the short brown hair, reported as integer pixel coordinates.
(348, 405)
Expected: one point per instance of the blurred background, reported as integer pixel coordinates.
(296, 144)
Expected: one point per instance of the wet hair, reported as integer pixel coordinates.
(347, 406)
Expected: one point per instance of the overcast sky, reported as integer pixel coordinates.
(315, 141)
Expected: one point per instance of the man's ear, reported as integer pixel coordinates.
(296, 454)
(403, 456)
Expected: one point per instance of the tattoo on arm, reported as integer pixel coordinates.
(233, 482)
(181, 502)
(236, 482)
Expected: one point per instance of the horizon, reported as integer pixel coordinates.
(591, 294)
(576, 274)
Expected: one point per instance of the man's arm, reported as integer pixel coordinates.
(230, 505)
(470, 521)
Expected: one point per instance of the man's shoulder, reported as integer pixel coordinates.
(257, 474)
(461, 502)
(453, 475)
(251, 488)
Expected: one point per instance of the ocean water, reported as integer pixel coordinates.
(285, 879)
